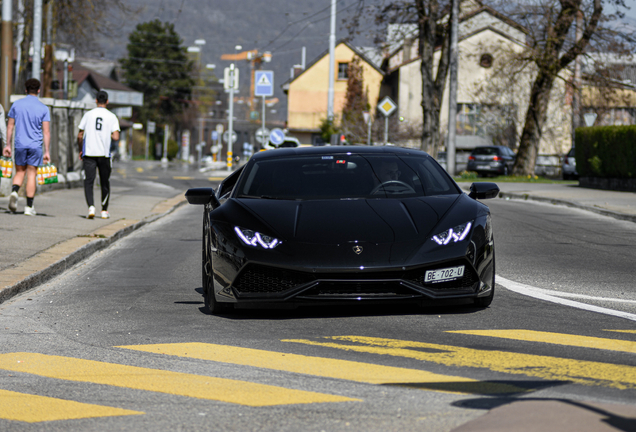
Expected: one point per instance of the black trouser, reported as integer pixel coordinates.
(91, 165)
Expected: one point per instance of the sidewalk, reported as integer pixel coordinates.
(619, 205)
(35, 249)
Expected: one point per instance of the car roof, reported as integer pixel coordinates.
(331, 150)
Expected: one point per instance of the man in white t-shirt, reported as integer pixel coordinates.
(96, 130)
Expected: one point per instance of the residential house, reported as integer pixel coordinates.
(307, 92)
(492, 99)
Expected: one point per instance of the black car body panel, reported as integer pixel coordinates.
(347, 250)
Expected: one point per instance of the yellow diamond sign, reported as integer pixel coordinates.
(387, 106)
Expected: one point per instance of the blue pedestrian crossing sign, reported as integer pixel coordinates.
(264, 83)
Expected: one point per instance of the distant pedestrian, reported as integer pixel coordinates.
(31, 121)
(97, 129)
(3, 126)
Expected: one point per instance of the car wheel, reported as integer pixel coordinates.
(483, 302)
(211, 305)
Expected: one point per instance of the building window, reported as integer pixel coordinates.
(485, 60)
(343, 68)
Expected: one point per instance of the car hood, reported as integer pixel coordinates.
(331, 222)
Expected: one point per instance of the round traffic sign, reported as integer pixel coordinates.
(262, 135)
(277, 136)
(226, 136)
(214, 135)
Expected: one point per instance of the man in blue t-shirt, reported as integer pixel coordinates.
(31, 120)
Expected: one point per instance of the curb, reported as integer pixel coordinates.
(41, 276)
(597, 210)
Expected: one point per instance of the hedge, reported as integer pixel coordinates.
(606, 151)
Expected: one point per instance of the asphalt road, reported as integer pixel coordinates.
(121, 342)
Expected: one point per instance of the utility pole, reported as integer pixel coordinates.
(576, 91)
(332, 61)
(47, 76)
(6, 61)
(37, 39)
(230, 127)
(263, 121)
(166, 133)
(452, 99)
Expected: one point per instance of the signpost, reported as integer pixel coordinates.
(230, 83)
(150, 128)
(185, 145)
(264, 87)
(387, 107)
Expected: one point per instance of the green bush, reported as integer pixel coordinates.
(173, 149)
(606, 151)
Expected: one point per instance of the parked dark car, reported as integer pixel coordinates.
(568, 169)
(491, 160)
(327, 225)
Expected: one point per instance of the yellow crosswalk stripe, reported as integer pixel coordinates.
(33, 408)
(326, 367)
(182, 178)
(175, 383)
(556, 338)
(545, 367)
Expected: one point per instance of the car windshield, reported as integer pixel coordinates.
(344, 176)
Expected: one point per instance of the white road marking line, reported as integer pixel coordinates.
(552, 297)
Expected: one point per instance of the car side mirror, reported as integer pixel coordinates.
(483, 190)
(202, 196)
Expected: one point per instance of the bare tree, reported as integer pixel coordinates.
(431, 34)
(551, 49)
(356, 103)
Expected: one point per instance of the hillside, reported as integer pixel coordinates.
(280, 26)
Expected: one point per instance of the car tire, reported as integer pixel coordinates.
(483, 302)
(211, 305)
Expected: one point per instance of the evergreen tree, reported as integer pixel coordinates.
(157, 65)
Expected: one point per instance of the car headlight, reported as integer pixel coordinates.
(453, 235)
(253, 238)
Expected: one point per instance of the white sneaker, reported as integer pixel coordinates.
(91, 212)
(105, 214)
(30, 211)
(13, 202)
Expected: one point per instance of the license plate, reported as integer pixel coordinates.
(433, 276)
(483, 166)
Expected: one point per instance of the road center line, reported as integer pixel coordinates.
(546, 295)
(161, 381)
